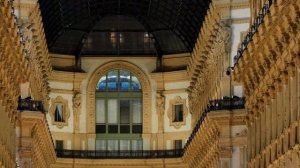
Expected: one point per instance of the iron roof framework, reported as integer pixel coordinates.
(173, 25)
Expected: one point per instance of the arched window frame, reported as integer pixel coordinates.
(146, 94)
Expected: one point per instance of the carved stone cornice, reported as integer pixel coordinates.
(35, 49)
(205, 145)
(226, 117)
(278, 143)
(75, 78)
(206, 66)
(272, 56)
(161, 78)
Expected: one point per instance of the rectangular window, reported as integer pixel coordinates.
(136, 145)
(112, 111)
(59, 113)
(178, 144)
(59, 144)
(137, 111)
(112, 145)
(100, 144)
(124, 111)
(124, 144)
(178, 116)
(100, 111)
(100, 128)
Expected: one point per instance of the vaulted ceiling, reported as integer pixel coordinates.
(122, 27)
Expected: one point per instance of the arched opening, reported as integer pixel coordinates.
(144, 90)
(119, 111)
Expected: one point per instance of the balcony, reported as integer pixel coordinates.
(226, 104)
(30, 105)
(253, 30)
(215, 105)
(119, 154)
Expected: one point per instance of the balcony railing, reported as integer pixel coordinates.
(227, 104)
(253, 29)
(119, 154)
(30, 105)
(214, 105)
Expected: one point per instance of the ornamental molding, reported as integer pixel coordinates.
(174, 76)
(207, 65)
(234, 5)
(66, 111)
(205, 144)
(102, 70)
(171, 111)
(14, 67)
(68, 77)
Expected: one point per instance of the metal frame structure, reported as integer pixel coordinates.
(182, 19)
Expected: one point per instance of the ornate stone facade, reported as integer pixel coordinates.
(14, 70)
(208, 62)
(36, 147)
(35, 49)
(269, 70)
(206, 148)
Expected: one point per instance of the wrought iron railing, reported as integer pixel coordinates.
(253, 29)
(119, 154)
(227, 104)
(30, 105)
(214, 105)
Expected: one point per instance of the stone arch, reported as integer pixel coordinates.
(102, 70)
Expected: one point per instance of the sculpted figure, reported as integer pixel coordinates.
(76, 110)
(160, 107)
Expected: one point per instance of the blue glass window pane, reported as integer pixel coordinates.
(112, 80)
(135, 84)
(124, 80)
(101, 86)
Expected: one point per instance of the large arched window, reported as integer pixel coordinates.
(118, 111)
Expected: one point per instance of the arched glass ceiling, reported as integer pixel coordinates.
(122, 27)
